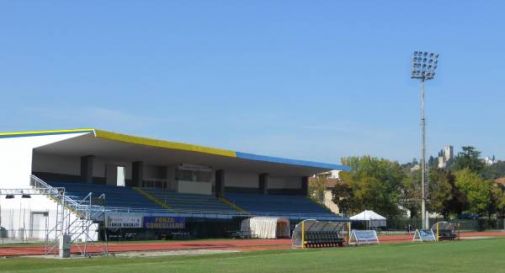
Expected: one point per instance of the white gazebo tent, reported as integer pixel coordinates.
(372, 219)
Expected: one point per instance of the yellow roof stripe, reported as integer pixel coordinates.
(163, 143)
(46, 132)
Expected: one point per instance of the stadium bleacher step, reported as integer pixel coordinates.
(152, 198)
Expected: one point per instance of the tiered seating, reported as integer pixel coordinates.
(114, 196)
(292, 206)
(191, 202)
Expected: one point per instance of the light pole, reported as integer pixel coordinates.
(424, 65)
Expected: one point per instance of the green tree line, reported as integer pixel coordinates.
(466, 185)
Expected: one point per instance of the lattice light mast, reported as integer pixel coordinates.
(424, 65)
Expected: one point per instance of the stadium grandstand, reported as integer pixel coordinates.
(83, 181)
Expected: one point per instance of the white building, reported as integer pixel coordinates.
(490, 160)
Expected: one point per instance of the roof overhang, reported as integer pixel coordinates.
(127, 148)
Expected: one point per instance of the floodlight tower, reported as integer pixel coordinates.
(424, 65)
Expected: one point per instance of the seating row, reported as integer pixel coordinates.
(299, 207)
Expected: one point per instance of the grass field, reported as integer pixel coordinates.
(460, 256)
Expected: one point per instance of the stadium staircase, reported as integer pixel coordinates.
(152, 198)
(75, 218)
(232, 205)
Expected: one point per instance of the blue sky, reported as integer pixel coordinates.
(314, 80)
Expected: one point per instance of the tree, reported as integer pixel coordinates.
(410, 197)
(445, 197)
(372, 183)
(468, 159)
(440, 192)
(494, 171)
(344, 197)
(458, 202)
(498, 193)
(476, 190)
(317, 186)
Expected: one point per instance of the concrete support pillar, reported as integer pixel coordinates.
(137, 173)
(87, 168)
(305, 185)
(263, 183)
(219, 186)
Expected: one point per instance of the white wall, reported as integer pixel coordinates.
(15, 169)
(111, 174)
(194, 187)
(241, 179)
(16, 157)
(155, 172)
(15, 216)
(170, 175)
(251, 180)
(70, 165)
(284, 182)
(100, 167)
(328, 202)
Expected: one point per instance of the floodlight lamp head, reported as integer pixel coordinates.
(424, 65)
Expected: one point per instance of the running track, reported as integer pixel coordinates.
(241, 245)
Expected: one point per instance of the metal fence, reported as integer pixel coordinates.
(480, 224)
(22, 235)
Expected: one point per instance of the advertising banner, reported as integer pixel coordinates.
(424, 235)
(164, 222)
(364, 237)
(123, 220)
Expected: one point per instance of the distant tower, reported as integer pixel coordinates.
(448, 152)
(446, 155)
(441, 162)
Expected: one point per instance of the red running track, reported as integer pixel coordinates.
(241, 245)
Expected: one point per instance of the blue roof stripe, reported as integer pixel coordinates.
(286, 161)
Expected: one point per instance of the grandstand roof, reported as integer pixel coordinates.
(126, 147)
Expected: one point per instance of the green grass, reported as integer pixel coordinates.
(459, 256)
